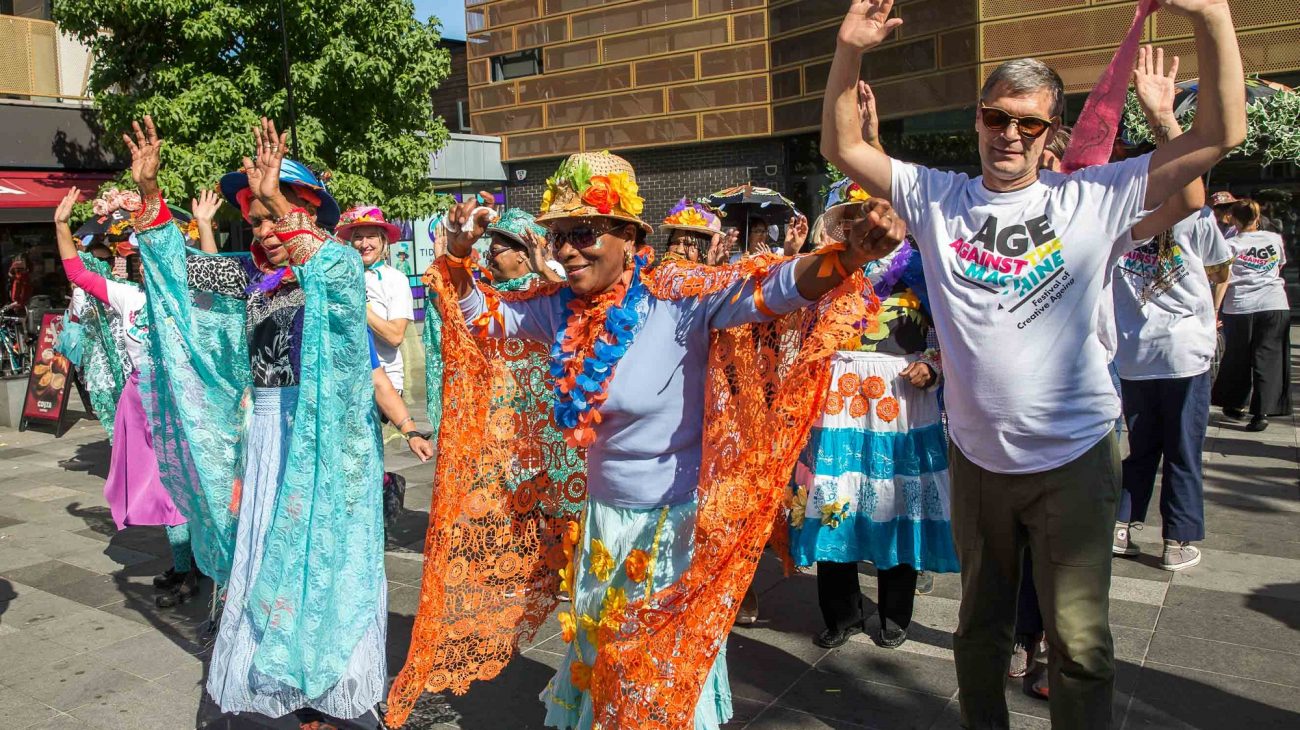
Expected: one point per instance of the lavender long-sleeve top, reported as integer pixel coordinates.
(648, 446)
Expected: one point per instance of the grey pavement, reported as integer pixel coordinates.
(1217, 646)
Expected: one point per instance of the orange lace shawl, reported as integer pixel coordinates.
(492, 556)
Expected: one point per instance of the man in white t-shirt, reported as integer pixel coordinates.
(390, 307)
(1015, 262)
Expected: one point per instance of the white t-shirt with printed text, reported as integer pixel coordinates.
(1016, 283)
(1256, 284)
(1164, 311)
(389, 295)
(128, 301)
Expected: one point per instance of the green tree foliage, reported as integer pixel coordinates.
(206, 70)
(1272, 127)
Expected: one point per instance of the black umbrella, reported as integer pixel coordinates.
(745, 202)
(1256, 89)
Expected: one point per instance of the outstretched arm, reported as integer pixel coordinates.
(1220, 123)
(865, 26)
(92, 283)
(1155, 92)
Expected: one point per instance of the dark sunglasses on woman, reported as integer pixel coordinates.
(580, 237)
(997, 120)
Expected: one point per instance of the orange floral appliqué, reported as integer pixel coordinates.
(859, 406)
(568, 627)
(873, 387)
(600, 194)
(636, 566)
(849, 383)
(834, 403)
(602, 563)
(580, 676)
(887, 409)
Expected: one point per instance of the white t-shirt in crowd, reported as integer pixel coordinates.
(1165, 310)
(127, 301)
(389, 295)
(1256, 284)
(1016, 283)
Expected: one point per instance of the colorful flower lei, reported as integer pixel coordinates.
(587, 349)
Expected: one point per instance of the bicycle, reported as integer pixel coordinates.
(15, 350)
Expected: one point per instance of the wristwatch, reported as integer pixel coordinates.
(426, 435)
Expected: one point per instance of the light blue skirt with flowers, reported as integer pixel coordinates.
(872, 484)
(663, 541)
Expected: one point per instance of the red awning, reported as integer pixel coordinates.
(46, 189)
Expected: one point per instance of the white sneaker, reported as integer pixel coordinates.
(1121, 544)
(1179, 555)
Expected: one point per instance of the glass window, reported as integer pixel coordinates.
(543, 33)
(478, 71)
(749, 27)
(787, 84)
(517, 65)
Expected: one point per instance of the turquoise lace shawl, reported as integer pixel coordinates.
(317, 589)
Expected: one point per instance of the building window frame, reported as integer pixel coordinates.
(517, 65)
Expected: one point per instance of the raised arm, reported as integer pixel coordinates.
(205, 208)
(1155, 92)
(866, 25)
(78, 274)
(1220, 123)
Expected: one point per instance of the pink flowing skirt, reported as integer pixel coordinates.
(134, 492)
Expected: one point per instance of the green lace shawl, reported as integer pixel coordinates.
(317, 589)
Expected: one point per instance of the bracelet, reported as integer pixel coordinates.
(405, 421)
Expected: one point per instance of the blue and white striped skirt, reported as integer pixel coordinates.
(872, 483)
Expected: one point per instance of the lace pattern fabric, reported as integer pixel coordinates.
(320, 577)
(491, 557)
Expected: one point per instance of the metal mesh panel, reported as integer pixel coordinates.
(735, 60)
(735, 123)
(935, 92)
(490, 97)
(1084, 29)
(15, 56)
(927, 16)
(958, 48)
(512, 11)
(514, 119)
(544, 144)
(732, 92)
(572, 55)
(1246, 14)
(605, 108)
(644, 133)
(575, 83)
(1007, 8)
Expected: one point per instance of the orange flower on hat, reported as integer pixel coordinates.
(637, 565)
(600, 194)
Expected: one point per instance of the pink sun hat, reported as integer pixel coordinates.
(366, 215)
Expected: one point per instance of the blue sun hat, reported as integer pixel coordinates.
(293, 173)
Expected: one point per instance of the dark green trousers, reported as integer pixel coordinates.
(1065, 518)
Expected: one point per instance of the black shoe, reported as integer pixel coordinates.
(180, 594)
(891, 635)
(1258, 423)
(1235, 414)
(924, 583)
(168, 579)
(835, 638)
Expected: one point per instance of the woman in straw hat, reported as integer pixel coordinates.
(692, 229)
(660, 376)
(873, 482)
(285, 510)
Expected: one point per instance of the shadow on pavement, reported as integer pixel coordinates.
(92, 458)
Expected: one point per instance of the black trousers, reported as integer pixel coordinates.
(1255, 373)
(841, 599)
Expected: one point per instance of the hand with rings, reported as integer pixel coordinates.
(264, 169)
